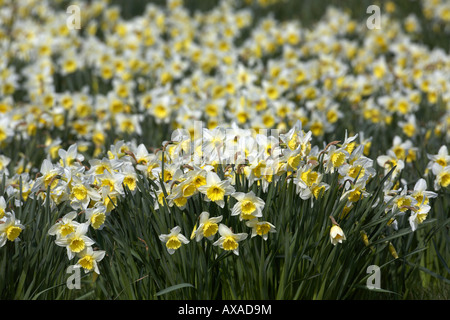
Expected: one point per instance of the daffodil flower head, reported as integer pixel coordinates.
(208, 227)
(76, 241)
(173, 240)
(249, 206)
(336, 233)
(10, 229)
(65, 226)
(96, 216)
(89, 258)
(260, 228)
(229, 241)
(215, 189)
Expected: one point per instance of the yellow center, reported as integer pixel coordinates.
(80, 192)
(87, 262)
(97, 220)
(356, 171)
(442, 162)
(247, 208)
(130, 182)
(229, 243)
(262, 228)
(109, 183)
(309, 177)
(161, 112)
(402, 202)
(66, 229)
(189, 190)
(294, 161)
(77, 244)
(180, 202)
(421, 217)
(444, 177)
(317, 190)
(354, 195)
(173, 243)
(50, 178)
(210, 229)
(12, 232)
(338, 159)
(215, 193)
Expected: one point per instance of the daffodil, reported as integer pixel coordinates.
(260, 228)
(442, 174)
(71, 157)
(96, 216)
(173, 240)
(248, 206)
(335, 158)
(88, 259)
(336, 233)
(10, 228)
(216, 189)
(228, 240)
(76, 241)
(50, 176)
(82, 193)
(208, 227)
(389, 162)
(64, 226)
(418, 216)
(421, 194)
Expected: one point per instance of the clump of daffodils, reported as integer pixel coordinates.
(264, 105)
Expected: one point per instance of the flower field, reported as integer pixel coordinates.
(254, 149)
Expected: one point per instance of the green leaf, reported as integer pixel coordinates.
(173, 288)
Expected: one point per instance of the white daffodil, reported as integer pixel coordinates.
(10, 228)
(249, 206)
(337, 235)
(442, 158)
(96, 216)
(442, 176)
(228, 240)
(208, 227)
(335, 158)
(82, 193)
(89, 258)
(173, 240)
(71, 157)
(76, 241)
(65, 226)
(418, 216)
(50, 176)
(421, 194)
(390, 161)
(260, 228)
(216, 189)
